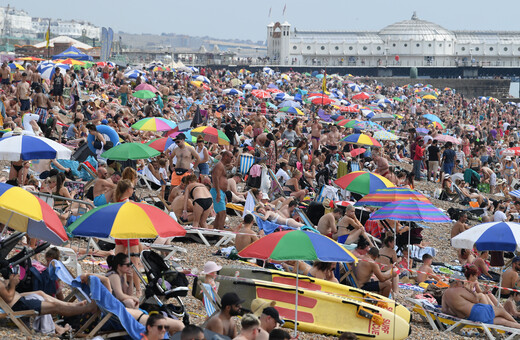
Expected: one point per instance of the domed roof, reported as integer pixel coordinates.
(416, 29)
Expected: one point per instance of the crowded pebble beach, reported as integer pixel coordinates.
(156, 187)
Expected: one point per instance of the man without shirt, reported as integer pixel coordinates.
(23, 90)
(366, 269)
(463, 303)
(245, 234)
(269, 320)
(458, 227)
(103, 187)
(510, 277)
(185, 154)
(327, 223)
(222, 322)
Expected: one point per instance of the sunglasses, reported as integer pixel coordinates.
(177, 141)
(127, 264)
(163, 327)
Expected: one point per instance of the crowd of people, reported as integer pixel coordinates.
(464, 147)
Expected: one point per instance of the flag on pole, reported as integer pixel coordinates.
(269, 12)
(324, 84)
(284, 8)
(48, 34)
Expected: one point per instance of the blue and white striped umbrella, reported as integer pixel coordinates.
(133, 74)
(515, 193)
(249, 87)
(268, 71)
(44, 64)
(282, 96)
(354, 87)
(17, 148)
(201, 78)
(290, 103)
(499, 236)
(231, 92)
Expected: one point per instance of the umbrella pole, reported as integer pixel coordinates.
(500, 285)
(8, 220)
(409, 252)
(296, 302)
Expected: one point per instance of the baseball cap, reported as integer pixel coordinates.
(211, 267)
(104, 122)
(516, 259)
(180, 136)
(272, 312)
(230, 299)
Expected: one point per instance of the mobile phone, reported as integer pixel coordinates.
(16, 269)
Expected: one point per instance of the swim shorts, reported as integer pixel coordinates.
(371, 286)
(125, 243)
(178, 174)
(342, 239)
(25, 104)
(220, 205)
(100, 200)
(482, 313)
(27, 304)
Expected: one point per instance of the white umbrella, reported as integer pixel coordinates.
(17, 148)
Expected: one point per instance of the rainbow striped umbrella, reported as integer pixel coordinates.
(211, 135)
(361, 139)
(386, 196)
(363, 182)
(126, 220)
(154, 124)
(22, 211)
(411, 211)
(437, 125)
(347, 123)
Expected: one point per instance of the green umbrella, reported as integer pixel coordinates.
(398, 99)
(144, 94)
(126, 151)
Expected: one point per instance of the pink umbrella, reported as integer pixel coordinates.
(146, 87)
(356, 152)
(447, 138)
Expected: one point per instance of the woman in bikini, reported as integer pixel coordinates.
(202, 202)
(274, 217)
(292, 186)
(387, 258)
(19, 171)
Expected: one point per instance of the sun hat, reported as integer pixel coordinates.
(211, 267)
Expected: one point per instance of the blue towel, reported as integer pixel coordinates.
(269, 227)
(106, 301)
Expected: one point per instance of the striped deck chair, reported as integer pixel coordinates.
(354, 166)
(210, 299)
(246, 162)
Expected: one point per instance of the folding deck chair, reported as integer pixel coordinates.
(6, 312)
(201, 235)
(447, 323)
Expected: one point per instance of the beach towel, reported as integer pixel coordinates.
(107, 301)
(255, 171)
(249, 206)
(269, 227)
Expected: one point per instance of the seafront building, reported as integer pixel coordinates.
(413, 42)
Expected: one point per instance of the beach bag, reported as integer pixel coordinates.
(293, 159)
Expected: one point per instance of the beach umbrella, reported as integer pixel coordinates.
(322, 101)
(355, 87)
(126, 151)
(382, 117)
(161, 144)
(282, 96)
(363, 182)
(273, 89)
(447, 138)
(361, 96)
(410, 210)
(231, 92)
(492, 236)
(70, 61)
(261, 94)
(361, 139)
(429, 97)
(154, 124)
(30, 59)
(297, 245)
(133, 74)
(249, 87)
(385, 196)
(350, 109)
(368, 126)
(144, 94)
(422, 131)
(357, 152)
(201, 78)
(432, 118)
(23, 147)
(210, 134)
(468, 127)
(285, 76)
(437, 125)
(293, 110)
(236, 82)
(22, 211)
(343, 203)
(347, 123)
(14, 66)
(290, 103)
(514, 151)
(399, 99)
(126, 220)
(147, 87)
(385, 135)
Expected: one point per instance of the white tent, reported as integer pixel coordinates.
(62, 39)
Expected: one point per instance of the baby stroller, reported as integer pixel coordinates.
(164, 283)
(30, 278)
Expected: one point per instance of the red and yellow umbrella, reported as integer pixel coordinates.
(361, 139)
(22, 211)
(210, 134)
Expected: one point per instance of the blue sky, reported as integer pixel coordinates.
(246, 19)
